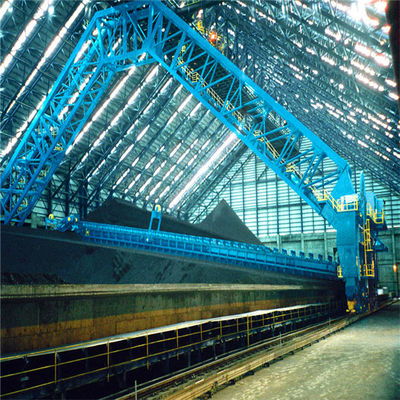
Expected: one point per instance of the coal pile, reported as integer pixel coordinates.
(63, 254)
(26, 278)
(221, 223)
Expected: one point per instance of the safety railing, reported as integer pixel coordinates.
(337, 205)
(322, 196)
(58, 146)
(376, 216)
(367, 269)
(148, 346)
(367, 236)
(194, 77)
(212, 249)
(212, 36)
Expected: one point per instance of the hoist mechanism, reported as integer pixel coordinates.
(145, 32)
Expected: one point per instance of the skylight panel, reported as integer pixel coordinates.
(185, 102)
(150, 162)
(135, 95)
(177, 176)
(177, 90)
(6, 7)
(334, 34)
(116, 146)
(152, 74)
(98, 168)
(165, 87)
(191, 161)
(170, 171)
(143, 132)
(194, 111)
(168, 187)
(152, 191)
(127, 151)
(229, 141)
(147, 109)
(175, 149)
(145, 184)
(24, 35)
(194, 143)
(311, 51)
(159, 168)
(382, 60)
(183, 155)
(362, 49)
(206, 143)
(121, 178)
(133, 182)
(328, 60)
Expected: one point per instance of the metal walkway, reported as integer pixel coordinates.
(147, 355)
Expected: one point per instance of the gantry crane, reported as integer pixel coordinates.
(144, 32)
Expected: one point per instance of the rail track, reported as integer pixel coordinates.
(209, 377)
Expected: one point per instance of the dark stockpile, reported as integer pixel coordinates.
(27, 251)
(225, 222)
(221, 223)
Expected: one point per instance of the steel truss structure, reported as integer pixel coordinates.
(286, 51)
(122, 37)
(141, 33)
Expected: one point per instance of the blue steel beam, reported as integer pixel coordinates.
(117, 38)
(292, 56)
(70, 103)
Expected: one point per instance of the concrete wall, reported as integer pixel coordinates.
(324, 243)
(42, 316)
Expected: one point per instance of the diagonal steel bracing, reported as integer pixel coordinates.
(145, 32)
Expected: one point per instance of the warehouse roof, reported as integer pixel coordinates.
(149, 140)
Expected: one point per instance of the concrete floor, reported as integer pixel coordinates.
(361, 362)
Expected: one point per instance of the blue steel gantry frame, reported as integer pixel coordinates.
(145, 32)
(136, 34)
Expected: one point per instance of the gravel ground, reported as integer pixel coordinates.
(361, 362)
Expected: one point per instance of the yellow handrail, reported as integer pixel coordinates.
(375, 215)
(195, 77)
(269, 319)
(368, 269)
(321, 196)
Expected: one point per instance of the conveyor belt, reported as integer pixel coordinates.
(203, 248)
